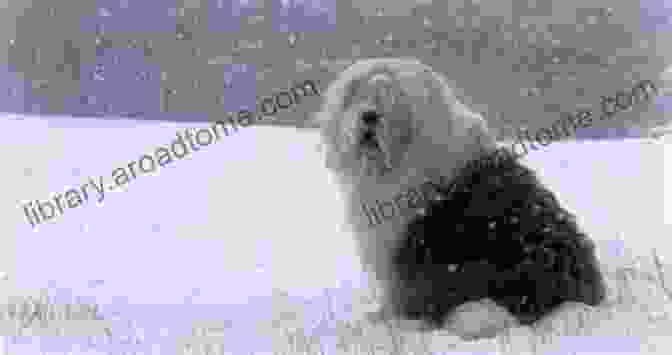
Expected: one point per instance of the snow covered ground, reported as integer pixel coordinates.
(248, 229)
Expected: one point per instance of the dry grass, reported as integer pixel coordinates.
(636, 318)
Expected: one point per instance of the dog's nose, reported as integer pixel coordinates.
(370, 117)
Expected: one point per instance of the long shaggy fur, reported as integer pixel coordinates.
(390, 125)
(495, 232)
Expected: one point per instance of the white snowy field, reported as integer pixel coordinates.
(253, 222)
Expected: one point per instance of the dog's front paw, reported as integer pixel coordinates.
(477, 320)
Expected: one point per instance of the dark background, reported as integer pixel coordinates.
(520, 62)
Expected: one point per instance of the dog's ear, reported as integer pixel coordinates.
(330, 144)
(332, 141)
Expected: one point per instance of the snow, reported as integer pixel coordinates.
(255, 214)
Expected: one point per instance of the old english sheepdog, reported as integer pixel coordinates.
(455, 231)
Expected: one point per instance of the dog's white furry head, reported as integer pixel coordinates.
(383, 117)
(388, 125)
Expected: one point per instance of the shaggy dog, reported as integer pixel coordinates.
(487, 236)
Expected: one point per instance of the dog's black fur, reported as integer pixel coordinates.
(497, 233)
